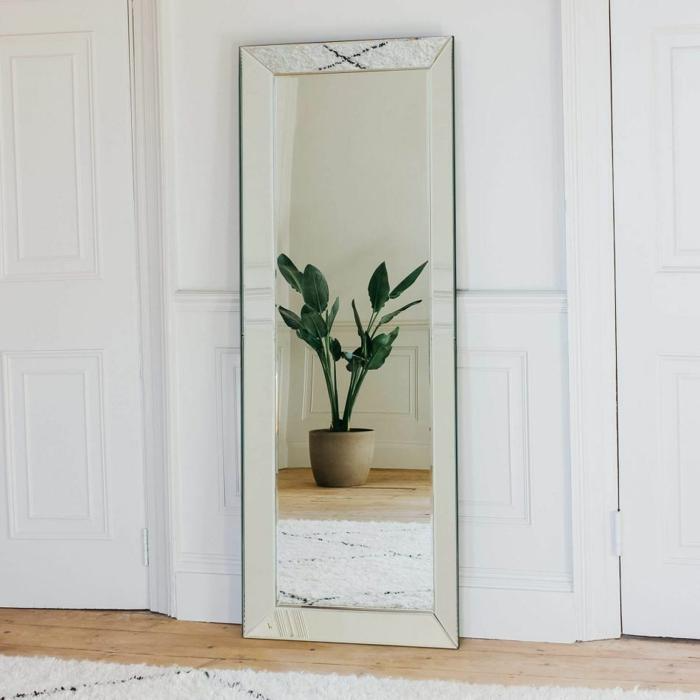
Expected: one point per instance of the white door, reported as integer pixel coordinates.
(71, 464)
(656, 129)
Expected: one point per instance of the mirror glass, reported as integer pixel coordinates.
(354, 452)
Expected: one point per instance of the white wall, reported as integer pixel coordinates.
(515, 549)
(331, 210)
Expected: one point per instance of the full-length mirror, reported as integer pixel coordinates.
(348, 339)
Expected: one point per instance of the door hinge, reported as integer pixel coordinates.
(144, 542)
(616, 530)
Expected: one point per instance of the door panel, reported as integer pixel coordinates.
(71, 466)
(48, 148)
(656, 118)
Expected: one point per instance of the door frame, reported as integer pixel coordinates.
(590, 252)
(147, 142)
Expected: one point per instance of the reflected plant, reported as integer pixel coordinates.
(314, 325)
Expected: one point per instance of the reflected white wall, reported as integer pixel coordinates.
(352, 179)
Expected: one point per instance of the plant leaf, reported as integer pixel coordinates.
(378, 287)
(393, 314)
(310, 339)
(381, 348)
(360, 354)
(407, 281)
(336, 350)
(314, 288)
(358, 323)
(384, 339)
(380, 340)
(290, 318)
(379, 357)
(289, 272)
(333, 313)
(313, 322)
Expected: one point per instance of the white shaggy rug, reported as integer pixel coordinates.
(345, 563)
(39, 677)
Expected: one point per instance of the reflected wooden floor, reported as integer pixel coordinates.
(142, 637)
(399, 495)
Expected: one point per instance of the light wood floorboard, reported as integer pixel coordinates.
(400, 495)
(143, 637)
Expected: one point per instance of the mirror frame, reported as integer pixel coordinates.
(262, 616)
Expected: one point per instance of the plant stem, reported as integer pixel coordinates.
(348, 400)
(371, 321)
(324, 356)
(358, 375)
(335, 389)
(353, 391)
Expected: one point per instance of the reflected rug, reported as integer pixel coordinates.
(345, 563)
(42, 677)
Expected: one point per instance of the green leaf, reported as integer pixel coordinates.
(381, 348)
(407, 281)
(379, 357)
(314, 288)
(313, 322)
(336, 350)
(333, 313)
(384, 339)
(378, 287)
(310, 339)
(289, 272)
(358, 323)
(290, 318)
(393, 314)
(360, 355)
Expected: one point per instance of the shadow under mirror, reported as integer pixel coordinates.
(353, 294)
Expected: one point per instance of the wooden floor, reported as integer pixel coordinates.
(401, 495)
(143, 637)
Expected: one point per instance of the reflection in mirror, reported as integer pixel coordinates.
(353, 292)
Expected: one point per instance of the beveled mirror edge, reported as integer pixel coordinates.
(262, 616)
(401, 53)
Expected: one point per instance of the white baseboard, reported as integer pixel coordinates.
(208, 597)
(386, 456)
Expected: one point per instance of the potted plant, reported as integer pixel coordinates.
(341, 455)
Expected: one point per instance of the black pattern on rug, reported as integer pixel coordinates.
(384, 565)
(210, 675)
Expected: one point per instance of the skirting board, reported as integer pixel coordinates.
(207, 597)
(535, 616)
(386, 456)
(530, 615)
